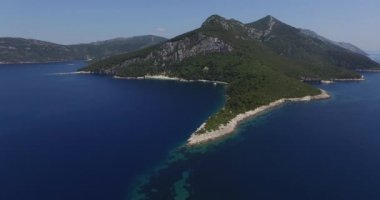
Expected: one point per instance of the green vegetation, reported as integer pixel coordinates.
(264, 63)
(291, 42)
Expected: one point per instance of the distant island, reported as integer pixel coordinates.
(20, 50)
(265, 64)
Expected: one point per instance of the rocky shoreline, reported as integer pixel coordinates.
(78, 72)
(230, 127)
(349, 79)
(330, 81)
(168, 78)
(368, 70)
(37, 62)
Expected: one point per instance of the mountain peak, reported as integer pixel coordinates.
(219, 21)
(214, 19)
(269, 24)
(269, 19)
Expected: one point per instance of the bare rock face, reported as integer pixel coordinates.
(179, 50)
(176, 51)
(254, 33)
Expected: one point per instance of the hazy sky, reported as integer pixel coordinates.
(75, 21)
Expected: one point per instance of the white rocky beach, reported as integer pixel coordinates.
(168, 78)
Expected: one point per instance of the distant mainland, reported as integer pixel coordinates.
(21, 50)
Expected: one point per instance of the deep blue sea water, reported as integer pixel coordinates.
(91, 137)
(320, 150)
(86, 137)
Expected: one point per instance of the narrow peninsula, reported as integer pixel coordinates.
(202, 136)
(263, 64)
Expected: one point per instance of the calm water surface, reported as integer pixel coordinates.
(88, 137)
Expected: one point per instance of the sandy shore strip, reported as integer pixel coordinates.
(232, 124)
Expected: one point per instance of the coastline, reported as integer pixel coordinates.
(78, 72)
(349, 79)
(168, 78)
(342, 80)
(231, 126)
(42, 62)
(369, 70)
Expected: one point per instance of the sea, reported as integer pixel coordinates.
(78, 137)
(67, 136)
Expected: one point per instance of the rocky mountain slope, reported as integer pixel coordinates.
(17, 50)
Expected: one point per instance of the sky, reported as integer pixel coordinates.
(81, 21)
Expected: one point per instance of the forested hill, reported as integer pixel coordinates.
(18, 50)
(262, 61)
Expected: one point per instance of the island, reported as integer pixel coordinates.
(263, 65)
